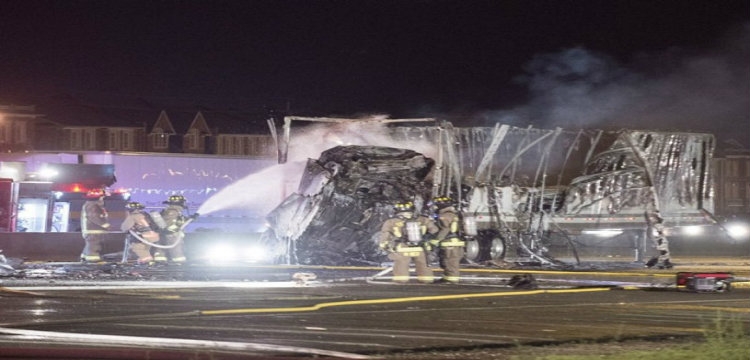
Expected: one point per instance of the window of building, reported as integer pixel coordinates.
(75, 139)
(160, 141)
(19, 132)
(227, 149)
(114, 141)
(192, 140)
(732, 191)
(88, 139)
(127, 140)
(238, 146)
(731, 168)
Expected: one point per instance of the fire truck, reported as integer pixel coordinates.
(49, 200)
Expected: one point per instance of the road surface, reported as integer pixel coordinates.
(121, 311)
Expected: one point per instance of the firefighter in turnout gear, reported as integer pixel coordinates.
(140, 231)
(449, 244)
(662, 246)
(174, 219)
(402, 237)
(94, 225)
(662, 260)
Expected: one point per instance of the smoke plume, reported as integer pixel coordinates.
(675, 90)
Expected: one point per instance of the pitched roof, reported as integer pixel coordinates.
(199, 123)
(116, 111)
(163, 123)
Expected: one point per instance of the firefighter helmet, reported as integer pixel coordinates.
(405, 206)
(176, 200)
(442, 202)
(134, 205)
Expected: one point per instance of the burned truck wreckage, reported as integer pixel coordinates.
(518, 190)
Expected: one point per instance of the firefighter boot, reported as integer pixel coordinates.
(90, 258)
(160, 258)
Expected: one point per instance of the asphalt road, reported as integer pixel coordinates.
(114, 311)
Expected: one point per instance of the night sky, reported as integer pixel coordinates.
(681, 65)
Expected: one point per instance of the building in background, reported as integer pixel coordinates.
(732, 184)
(73, 124)
(23, 128)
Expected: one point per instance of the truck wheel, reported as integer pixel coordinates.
(472, 250)
(489, 245)
(497, 248)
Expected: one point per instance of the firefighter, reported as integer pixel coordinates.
(402, 237)
(140, 232)
(174, 219)
(449, 244)
(662, 260)
(94, 225)
(662, 246)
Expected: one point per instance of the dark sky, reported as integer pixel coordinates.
(682, 64)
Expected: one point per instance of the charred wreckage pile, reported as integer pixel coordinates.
(517, 188)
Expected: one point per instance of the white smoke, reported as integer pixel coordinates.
(676, 90)
(309, 141)
(262, 191)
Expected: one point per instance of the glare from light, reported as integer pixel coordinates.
(222, 253)
(738, 231)
(694, 230)
(603, 233)
(58, 194)
(255, 253)
(47, 173)
(8, 171)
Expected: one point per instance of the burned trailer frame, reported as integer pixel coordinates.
(511, 184)
(627, 177)
(519, 190)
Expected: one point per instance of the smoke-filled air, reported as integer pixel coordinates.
(261, 192)
(673, 90)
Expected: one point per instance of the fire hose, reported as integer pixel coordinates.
(159, 246)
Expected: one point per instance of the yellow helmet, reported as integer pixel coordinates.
(403, 206)
(442, 202)
(134, 205)
(176, 200)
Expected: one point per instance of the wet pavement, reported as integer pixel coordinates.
(339, 312)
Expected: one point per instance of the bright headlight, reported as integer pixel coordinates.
(255, 253)
(222, 253)
(692, 230)
(605, 233)
(738, 231)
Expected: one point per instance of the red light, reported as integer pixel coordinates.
(71, 188)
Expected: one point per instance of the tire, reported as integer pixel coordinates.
(488, 245)
(472, 251)
(497, 248)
